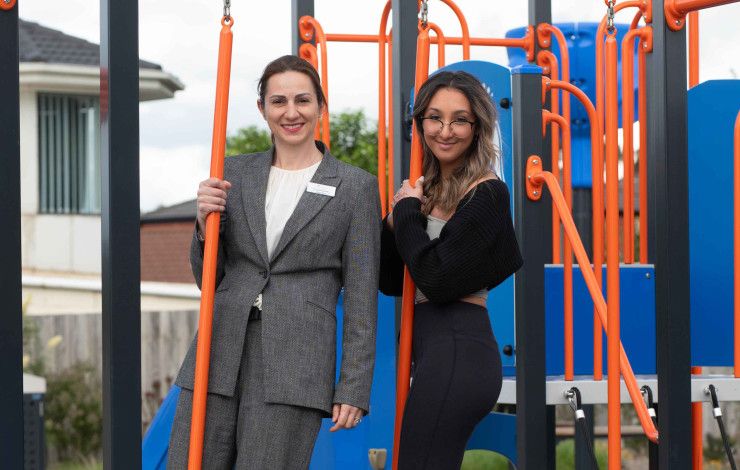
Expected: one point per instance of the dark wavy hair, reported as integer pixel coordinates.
(480, 159)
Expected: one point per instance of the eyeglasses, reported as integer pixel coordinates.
(434, 125)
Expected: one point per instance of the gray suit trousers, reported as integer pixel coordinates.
(243, 431)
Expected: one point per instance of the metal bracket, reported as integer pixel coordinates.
(534, 188)
(675, 20)
(530, 37)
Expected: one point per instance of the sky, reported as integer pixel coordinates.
(182, 36)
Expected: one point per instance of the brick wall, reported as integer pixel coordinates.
(165, 251)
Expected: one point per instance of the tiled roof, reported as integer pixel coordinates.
(182, 211)
(41, 44)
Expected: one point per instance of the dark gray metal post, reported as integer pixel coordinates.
(540, 11)
(11, 327)
(532, 222)
(404, 61)
(298, 8)
(119, 121)
(668, 241)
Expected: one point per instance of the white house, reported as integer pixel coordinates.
(60, 169)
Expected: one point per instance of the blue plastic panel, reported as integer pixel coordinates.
(637, 318)
(580, 38)
(712, 108)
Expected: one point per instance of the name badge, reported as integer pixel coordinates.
(322, 189)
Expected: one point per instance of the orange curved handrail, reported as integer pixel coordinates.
(597, 198)
(382, 138)
(310, 27)
(612, 254)
(441, 44)
(538, 178)
(210, 252)
(409, 290)
(628, 158)
(549, 64)
(567, 250)
(737, 245)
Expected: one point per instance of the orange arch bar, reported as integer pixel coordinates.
(382, 138)
(409, 290)
(208, 286)
(538, 178)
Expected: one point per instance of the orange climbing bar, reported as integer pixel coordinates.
(535, 179)
(382, 138)
(391, 162)
(597, 198)
(676, 10)
(409, 290)
(549, 64)
(309, 28)
(213, 221)
(737, 245)
(612, 255)
(351, 37)
(567, 250)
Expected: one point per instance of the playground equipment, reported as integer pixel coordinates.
(548, 368)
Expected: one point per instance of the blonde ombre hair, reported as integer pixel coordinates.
(481, 159)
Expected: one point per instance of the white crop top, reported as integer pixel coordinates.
(434, 228)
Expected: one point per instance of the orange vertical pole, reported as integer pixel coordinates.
(208, 286)
(382, 139)
(642, 157)
(612, 242)
(391, 162)
(737, 246)
(547, 60)
(309, 28)
(693, 48)
(307, 52)
(409, 290)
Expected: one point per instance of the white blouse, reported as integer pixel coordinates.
(284, 190)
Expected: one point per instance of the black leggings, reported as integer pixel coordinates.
(456, 382)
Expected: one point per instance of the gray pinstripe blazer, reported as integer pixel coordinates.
(328, 243)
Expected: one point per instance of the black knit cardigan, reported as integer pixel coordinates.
(476, 249)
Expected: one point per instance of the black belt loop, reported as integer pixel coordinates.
(255, 313)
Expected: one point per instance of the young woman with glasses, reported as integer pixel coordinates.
(454, 232)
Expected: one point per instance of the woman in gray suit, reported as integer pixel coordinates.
(298, 225)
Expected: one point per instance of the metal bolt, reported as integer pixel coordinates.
(644, 45)
(535, 193)
(535, 162)
(678, 22)
(647, 275)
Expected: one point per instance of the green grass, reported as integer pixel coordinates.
(565, 458)
(77, 466)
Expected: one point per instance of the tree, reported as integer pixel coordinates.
(353, 140)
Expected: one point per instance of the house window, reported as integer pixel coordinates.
(69, 156)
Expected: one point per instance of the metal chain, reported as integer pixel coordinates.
(227, 8)
(610, 16)
(424, 13)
